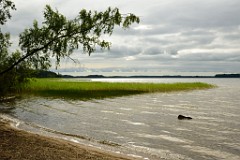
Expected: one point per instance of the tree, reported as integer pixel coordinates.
(5, 6)
(8, 81)
(58, 37)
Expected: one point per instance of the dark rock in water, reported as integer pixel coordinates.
(181, 117)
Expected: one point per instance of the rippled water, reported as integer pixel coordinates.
(145, 125)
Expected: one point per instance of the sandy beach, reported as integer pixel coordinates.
(17, 144)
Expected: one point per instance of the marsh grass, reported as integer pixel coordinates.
(98, 90)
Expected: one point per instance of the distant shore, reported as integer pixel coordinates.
(18, 144)
(50, 74)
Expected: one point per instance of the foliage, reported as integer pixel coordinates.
(16, 76)
(5, 6)
(89, 90)
(58, 37)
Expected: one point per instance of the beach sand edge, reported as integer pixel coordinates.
(20, 144)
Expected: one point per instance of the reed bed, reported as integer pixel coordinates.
(96, 90)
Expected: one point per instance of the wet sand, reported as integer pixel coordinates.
(17, 144)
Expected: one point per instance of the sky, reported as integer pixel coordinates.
(174, 37)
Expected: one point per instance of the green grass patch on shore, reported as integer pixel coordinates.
(98, 90)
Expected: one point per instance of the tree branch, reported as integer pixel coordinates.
(80, 30)
(25, 56)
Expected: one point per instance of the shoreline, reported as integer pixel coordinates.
(20, 144)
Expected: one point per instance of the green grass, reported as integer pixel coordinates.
(97, 90)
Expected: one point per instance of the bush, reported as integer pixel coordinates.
(16, 78)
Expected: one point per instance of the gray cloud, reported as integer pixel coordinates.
(197, 14)
(173, 36)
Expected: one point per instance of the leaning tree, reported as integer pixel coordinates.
(59, 37)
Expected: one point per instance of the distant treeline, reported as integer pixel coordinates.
(45, 74)
(227, 76)
(50, 74)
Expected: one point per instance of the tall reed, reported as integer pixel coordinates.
(89, 90)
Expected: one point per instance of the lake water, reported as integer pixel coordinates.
(146, 125)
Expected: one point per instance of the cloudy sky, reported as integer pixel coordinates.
(187, 37)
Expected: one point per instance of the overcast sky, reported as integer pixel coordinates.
(188, 37)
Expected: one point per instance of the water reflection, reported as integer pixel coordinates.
(147, 125)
